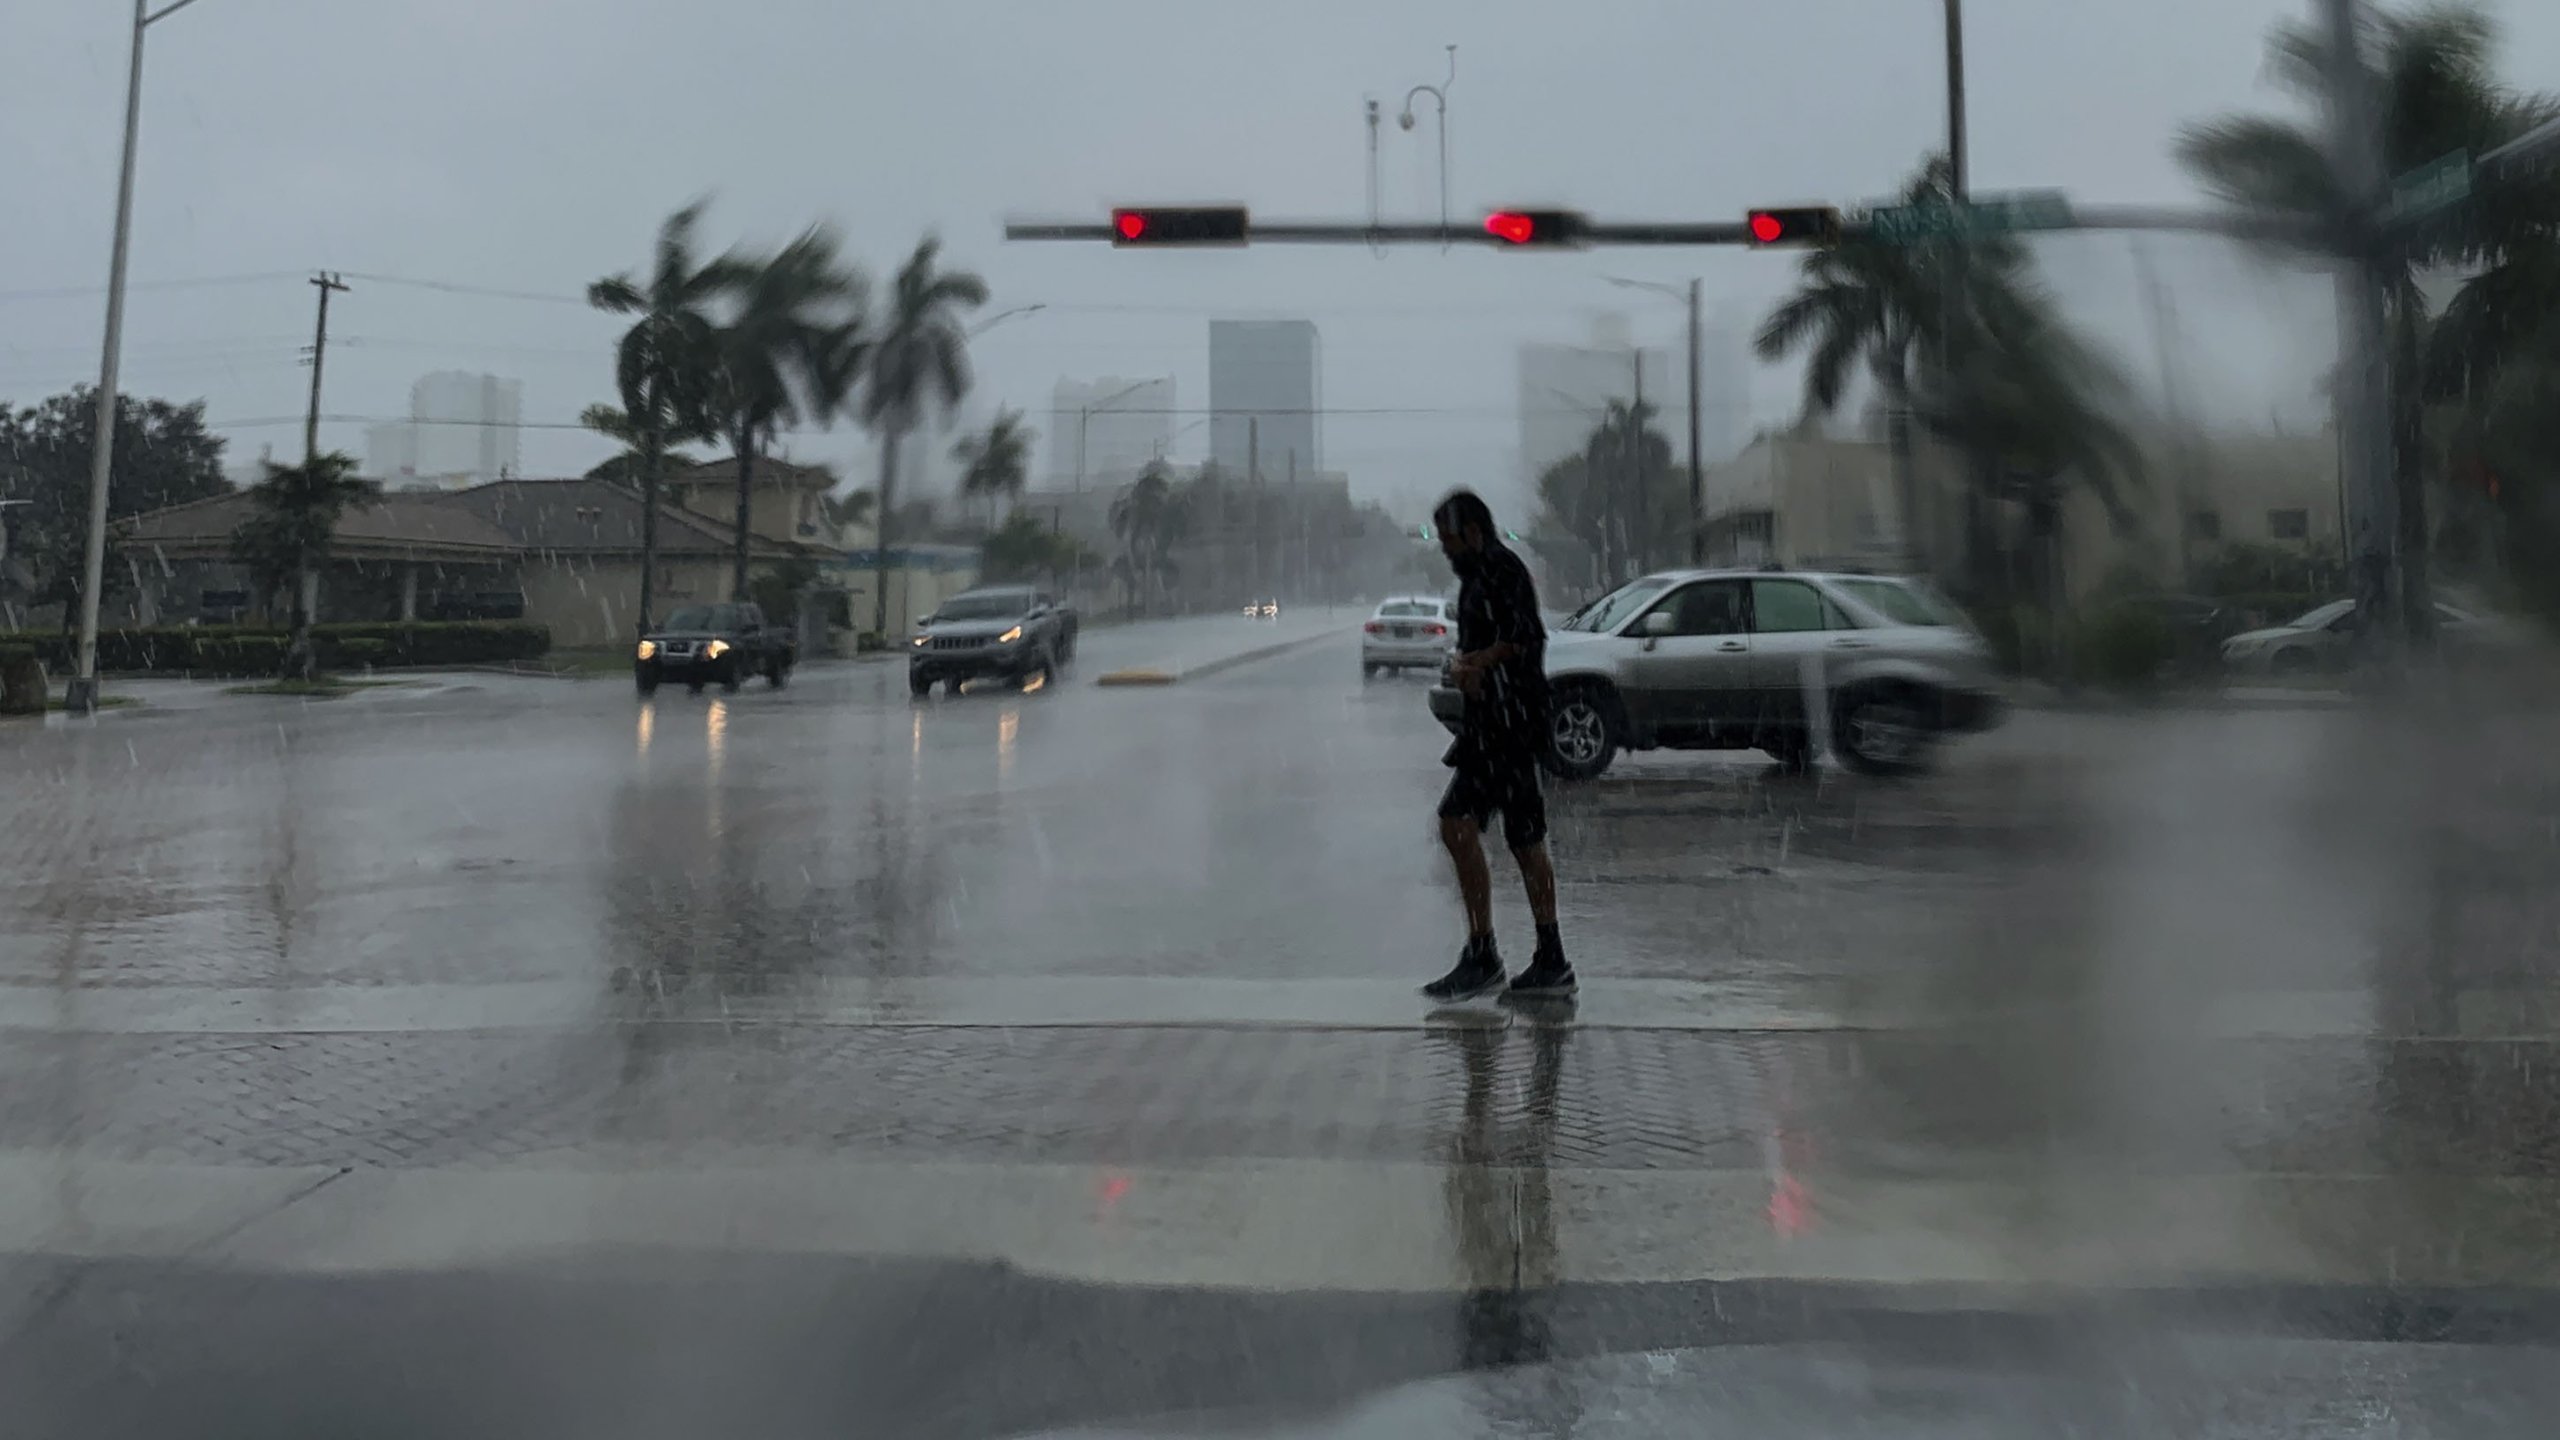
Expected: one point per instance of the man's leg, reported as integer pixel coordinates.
(1463, 836)
(1538, 875)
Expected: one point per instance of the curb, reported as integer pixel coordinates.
(1148, 675)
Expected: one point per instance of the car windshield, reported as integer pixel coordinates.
(2320, 617)
(1409, 609)
(703, 617)
(985, 605)
(1901, 601)
(1613, 609)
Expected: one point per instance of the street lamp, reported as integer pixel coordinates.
(1084, 420)
(998, 318)
(1440, 95)
(81, 697)
(1697, 467)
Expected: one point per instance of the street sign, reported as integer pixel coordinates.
(2020, 210)
(2443, 181)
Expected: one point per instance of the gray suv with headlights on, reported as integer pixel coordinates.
(1011, 633)
(1757, 659)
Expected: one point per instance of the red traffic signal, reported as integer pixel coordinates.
(1535, 227)
(1806, 225)
(1179, 225)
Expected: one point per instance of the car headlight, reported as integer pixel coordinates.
(716, 649)
(1010, 636)
(648, 649)
(918, 642)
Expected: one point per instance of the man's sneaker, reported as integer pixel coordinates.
(1549, 975)
(1478, 972)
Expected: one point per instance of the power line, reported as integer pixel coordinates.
(198, 282)
(1356, 412)
(456, 287)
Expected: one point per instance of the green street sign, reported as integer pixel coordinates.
(2441, 182)
(2020, 210)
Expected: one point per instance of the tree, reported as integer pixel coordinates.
(918, 359)
(285, 540)
(1024, 549)
(997, 461)
(163, 456)
(1149, 518)
(2430, 72)
(664, 366)
(793, 317)
(624, 469)
(1621, 499)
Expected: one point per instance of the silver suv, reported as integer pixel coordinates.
(1741, 659)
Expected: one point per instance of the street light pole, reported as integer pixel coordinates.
(82, 693)
(1084, 421)
(1440, 96)
(1697, 464)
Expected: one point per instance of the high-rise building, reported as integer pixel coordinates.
(1109, 428)
(463, 429)
(1266, 397)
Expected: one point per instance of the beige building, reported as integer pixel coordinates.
(1813, 501)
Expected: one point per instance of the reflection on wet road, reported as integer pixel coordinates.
(1111, 988)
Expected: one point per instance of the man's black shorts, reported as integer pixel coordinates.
(1497, 774)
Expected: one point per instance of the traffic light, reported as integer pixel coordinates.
(1536, 227)
(1807, 225)
(1179, 225)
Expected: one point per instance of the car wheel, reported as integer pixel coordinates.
(646, 680)
(693, 686)
(1368, 671)
(731, 677)
(1582, 730)
(777, 674)
(919, 686)
(954, 685)
(1883, 732)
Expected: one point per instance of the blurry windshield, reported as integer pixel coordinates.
(1407, 609)
(1613, 609)
(703, 617)
(985, 605)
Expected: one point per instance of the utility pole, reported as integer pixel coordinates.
(1253, 472)
(1956, 167)
(1697, 466)
(319, 345)
(1634, 488)
(2362, 397)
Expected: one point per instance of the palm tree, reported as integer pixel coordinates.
(624, 468)
(997, 461)
(919, 359)
(285, 540)
(2430, 72)
(664, 365)
(1141, 517)
(783, 354)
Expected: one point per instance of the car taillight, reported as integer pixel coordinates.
(1435, 631)
(1375, 628)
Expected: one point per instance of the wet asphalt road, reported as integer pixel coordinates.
(2116, 968)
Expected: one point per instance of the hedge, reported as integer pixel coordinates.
(240, 650)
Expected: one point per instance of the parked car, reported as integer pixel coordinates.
(2321, 639)
(1730, 659)
(724, 643)
(1408, 632)
(1011, 633)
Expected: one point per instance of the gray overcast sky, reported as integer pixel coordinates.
(532, 145)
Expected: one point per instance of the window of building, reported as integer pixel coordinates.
(2289, 524)
(2204, 525)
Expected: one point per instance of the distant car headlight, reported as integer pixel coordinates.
(648, 649)
(1010, 636)
(716, 649)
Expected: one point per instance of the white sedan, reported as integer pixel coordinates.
(1408, 632)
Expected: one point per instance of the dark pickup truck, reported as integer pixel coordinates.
(707, 644)
(1011, 633)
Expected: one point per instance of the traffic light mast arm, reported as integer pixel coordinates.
(1687, 233)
